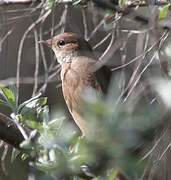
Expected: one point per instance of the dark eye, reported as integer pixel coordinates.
(61, 43)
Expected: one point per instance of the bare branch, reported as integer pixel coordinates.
(63, 18)
(144, 69)
(36, 64)
(118, 44)
(85, 24)
(28, 80)
(102, 41)
(4, 38)
(16, 1)
(96, 29)
(22, 43)
(9, 131)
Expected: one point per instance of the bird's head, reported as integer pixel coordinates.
(67, 46)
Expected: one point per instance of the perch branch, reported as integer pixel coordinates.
(9, 131)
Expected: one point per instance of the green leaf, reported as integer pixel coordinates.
(28, 117)
(122, 3)
(15, 153)
(9, 97)
(55, 124)
(113, 174)
(26, 144)
(14, 90)
(30, 121)
(163, 12)
(33, 105)
(46, 166)
(28, 101)
(44, 114)
(24, 156)
(33, 125)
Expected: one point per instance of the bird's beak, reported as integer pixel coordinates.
(47, 42)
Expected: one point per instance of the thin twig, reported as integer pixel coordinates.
(53, 19)
(63, 18)
(139, 76)
(96, 29)
(26, 80)
(137, 58)
(110, 44)
(44, 61)
(139, 48)
(36, 72)
(15, 2)
(164, 152)
(162, 62)
(153, 148)
(143, 54)
(22, 43)
(59, 25)
(136, 31)
(22, 10)
(85, 23)
(143, 3)
(102, 41)
(4, 38)
(26, 14)
(118, 44)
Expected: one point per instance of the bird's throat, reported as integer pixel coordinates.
(66, 57)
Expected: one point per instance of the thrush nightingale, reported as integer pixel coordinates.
(75, 56)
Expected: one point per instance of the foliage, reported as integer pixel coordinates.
(164, 11)
(110, 149)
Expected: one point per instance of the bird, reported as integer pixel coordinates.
(75, 56)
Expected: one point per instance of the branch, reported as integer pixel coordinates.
(16, 1)
(9, 131)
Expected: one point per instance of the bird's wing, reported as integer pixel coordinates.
(103, 76)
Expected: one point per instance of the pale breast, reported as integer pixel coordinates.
(75, 78)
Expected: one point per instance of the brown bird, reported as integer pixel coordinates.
(76, 58)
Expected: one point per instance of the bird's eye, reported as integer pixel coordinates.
(61, 43)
